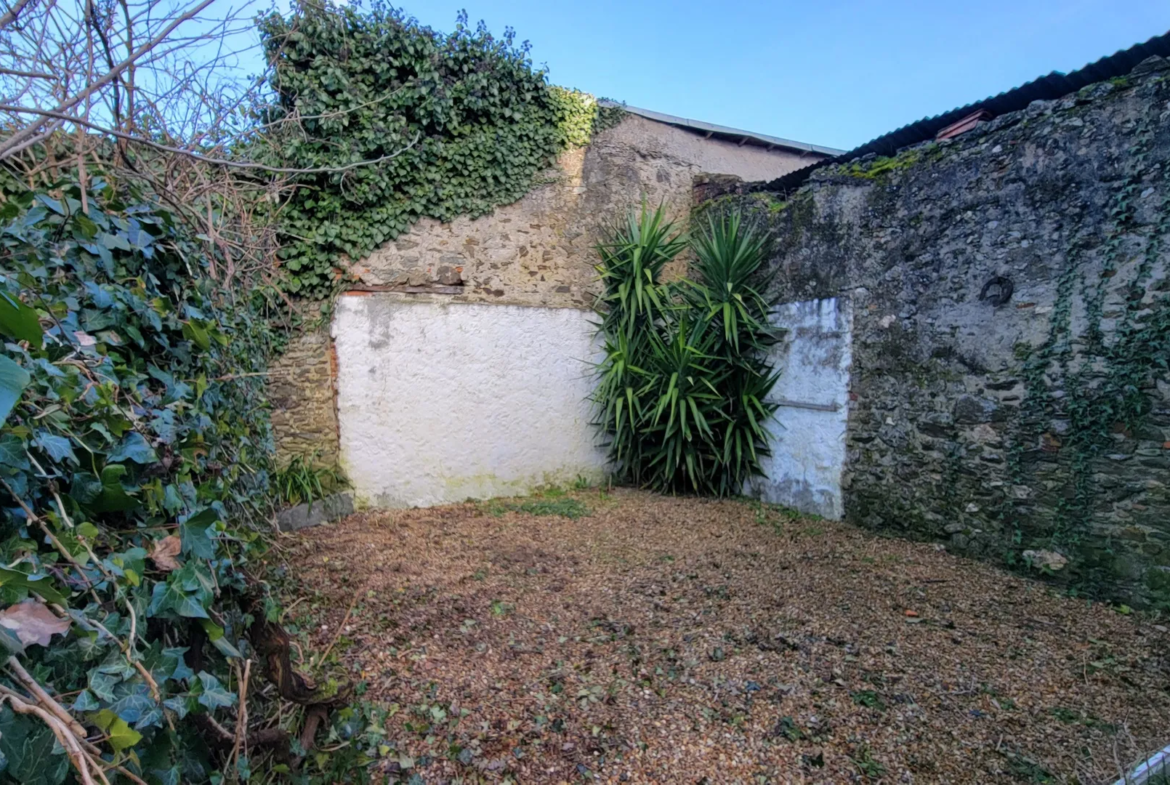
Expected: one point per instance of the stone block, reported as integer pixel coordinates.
(331, 508)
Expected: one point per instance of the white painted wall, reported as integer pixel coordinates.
(808, 446)
(439, 402)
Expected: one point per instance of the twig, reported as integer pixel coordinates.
(340, 627)
(38, 692)
(241, 714)
(26, 74)
(16, 140)
(9, 16)
(77, 756)
(207, 159)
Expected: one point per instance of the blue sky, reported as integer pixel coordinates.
(834, 72)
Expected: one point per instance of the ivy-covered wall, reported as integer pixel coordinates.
(1010, 393)
(539, 250)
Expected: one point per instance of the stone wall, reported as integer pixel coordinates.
(537, 251)
(301, 392)
(1009, 390)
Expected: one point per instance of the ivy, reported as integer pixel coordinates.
(135, 463)
(465, 120)
(1096, 381)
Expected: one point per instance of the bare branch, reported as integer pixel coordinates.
(209, 159)
(26, 74)
(69, 103)
(9, 16)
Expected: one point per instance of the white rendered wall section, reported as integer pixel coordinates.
(808, 434)
(441, 402)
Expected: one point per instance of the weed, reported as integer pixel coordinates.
(870, 699)
(775, 516)
(496, 508)
(1072, 717)
(551, 492)
(564, 506)
(304, 479)
(865, 763)
(1027, 770)
(788, 728)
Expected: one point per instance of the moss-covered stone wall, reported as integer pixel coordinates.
(1009, 391)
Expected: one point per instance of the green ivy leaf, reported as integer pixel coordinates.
(195, 332)
(19, 321)
(121, 735)
(102, 685)
(58, 448)
(13, 380)
(137, 707)
(28, 746)
(113, 497)
(39, 585)
(11, 447)
(10, 642)
(195, 533)
(214, 695)
(171, 596)
(133, 447)
(51, 203)
(85, 702)
(218, 639)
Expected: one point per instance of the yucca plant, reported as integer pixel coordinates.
(682, 390)
(728, 255)
(632, 258)
(685, 382)
(634, 309)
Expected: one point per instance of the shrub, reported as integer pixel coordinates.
(682, 391)
(134, 489)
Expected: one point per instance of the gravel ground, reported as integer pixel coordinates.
(676, 640)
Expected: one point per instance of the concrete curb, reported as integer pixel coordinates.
(315, 513)
(1157, 765)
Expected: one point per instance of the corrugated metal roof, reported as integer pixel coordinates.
(1046, 88)
(729, 134)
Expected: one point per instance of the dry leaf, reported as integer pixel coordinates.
(33, 622)
(614, 614)
(165, 551)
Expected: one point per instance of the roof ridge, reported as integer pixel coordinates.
(722, 131)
